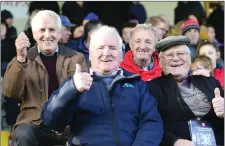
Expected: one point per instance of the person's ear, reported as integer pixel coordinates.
(217, 55)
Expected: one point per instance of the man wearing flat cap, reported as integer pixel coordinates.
(183, 97)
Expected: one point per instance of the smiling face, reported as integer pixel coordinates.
(47, 34)
(142, 44)
(177, 61)
(105, 55)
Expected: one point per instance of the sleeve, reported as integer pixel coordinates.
(13, 84)
(57, 112)
(150, 123)
(77, 59)
(168, 138)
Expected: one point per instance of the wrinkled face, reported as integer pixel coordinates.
(65, 34)
(105, 55)
(176, 60)
(211, 34)
(210, 51)
(142, 44)
(160, 30)
(126, 34)
(78, 31)
(47, 35)
(193, 35)
(3, 31)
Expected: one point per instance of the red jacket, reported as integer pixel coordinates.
(219, 75)
(129, 65)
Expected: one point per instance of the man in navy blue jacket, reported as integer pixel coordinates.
(106, 105)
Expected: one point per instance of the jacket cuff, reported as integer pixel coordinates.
(19, 66)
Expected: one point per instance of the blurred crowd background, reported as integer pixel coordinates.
(16, 16)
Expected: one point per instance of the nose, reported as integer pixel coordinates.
(106, 51)
(47, 33)
(142, 45)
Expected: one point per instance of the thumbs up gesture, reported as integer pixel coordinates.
(82, 80)
(218, 103)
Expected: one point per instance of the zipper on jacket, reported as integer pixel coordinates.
(115, 127)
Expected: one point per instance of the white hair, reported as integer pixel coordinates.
(103, 31)
(145, 27)
(44, 13)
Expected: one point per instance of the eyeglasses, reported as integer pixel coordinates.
(178, 54)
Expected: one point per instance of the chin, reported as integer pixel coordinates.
(143, 58)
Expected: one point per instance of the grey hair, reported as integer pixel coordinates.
(145, 27)
(103, 30)
(43, 13)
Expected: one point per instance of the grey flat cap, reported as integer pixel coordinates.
(164, 44)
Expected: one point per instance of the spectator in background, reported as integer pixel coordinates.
(33, 75)
(113, 13)
(77, 31)
(159, 25)
(65, 38)
(126, 31)
(75, 11)
(82, 44)
(190, 28)
(202, 62)
(195, 16)
(184, 8)
(216, 19)
(8, 49)
(183, 97)
(90, 16)
(212, 38)
(166, 19)
(203, 35)
(11, 30)
(138, 11)
(142, 58)
(106, 105)
(210, 49)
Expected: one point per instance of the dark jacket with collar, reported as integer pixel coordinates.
(125, 115)
(175, 112)
(28, 81)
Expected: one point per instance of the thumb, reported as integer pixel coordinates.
(78, 68)
(217, 92)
